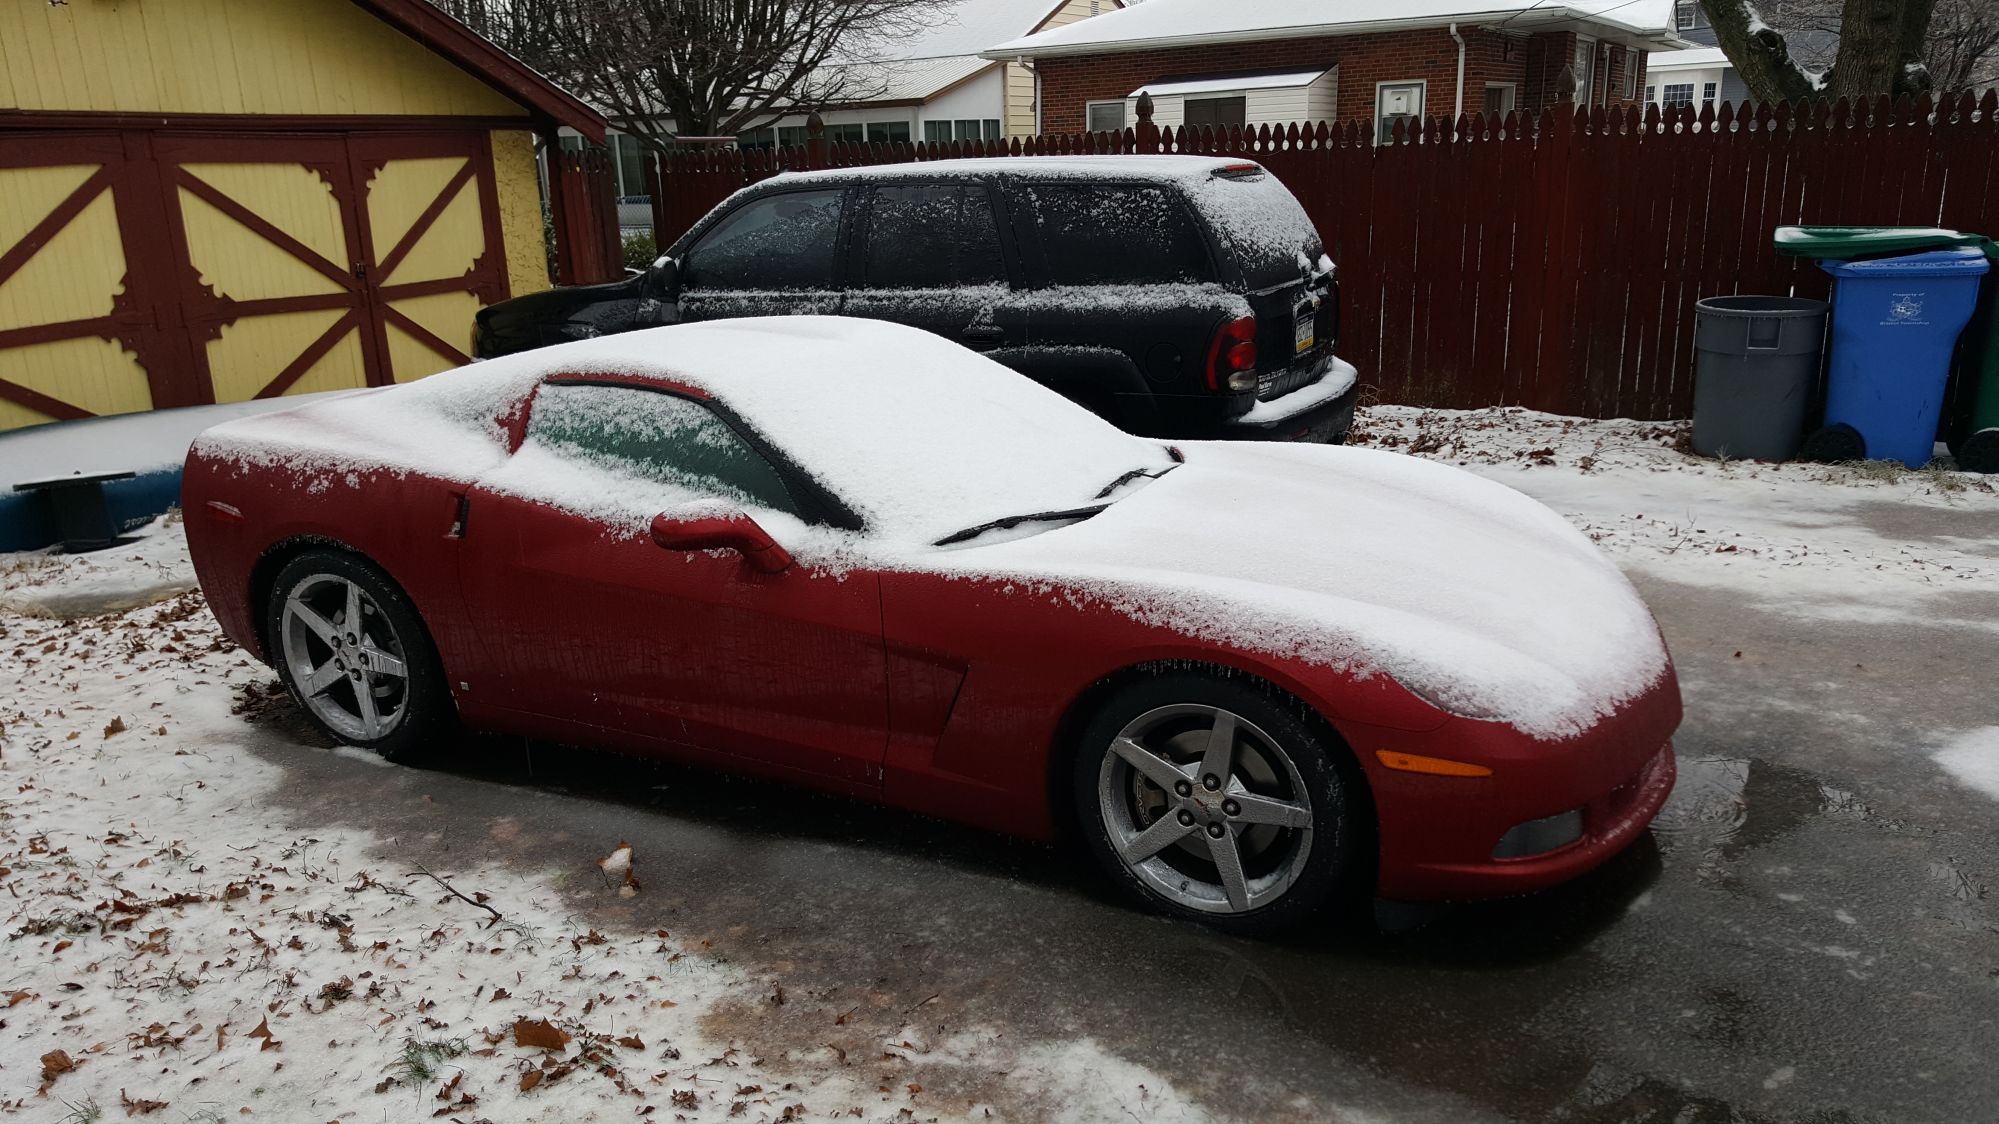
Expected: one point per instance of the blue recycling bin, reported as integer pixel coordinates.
(1895, 323)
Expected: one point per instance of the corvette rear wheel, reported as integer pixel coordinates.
(356, 656)
(1210, 800)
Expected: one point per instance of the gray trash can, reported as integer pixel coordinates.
(1755, 375)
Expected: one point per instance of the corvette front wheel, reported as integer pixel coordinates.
(356, 656)
(1210, 800)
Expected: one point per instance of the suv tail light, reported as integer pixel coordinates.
(1232, 357)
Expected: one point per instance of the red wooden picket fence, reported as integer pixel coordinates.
(1548, 261)
(584, 210)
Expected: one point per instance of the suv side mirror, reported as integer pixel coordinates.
(707, 529)
(664, 277)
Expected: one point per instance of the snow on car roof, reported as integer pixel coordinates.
(918, 435)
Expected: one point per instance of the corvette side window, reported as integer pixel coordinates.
(650, 436)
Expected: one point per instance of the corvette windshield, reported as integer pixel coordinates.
(922, 439)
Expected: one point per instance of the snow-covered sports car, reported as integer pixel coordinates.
(858, 556)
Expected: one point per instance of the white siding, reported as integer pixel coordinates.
(1284, 106)
(1322, 98)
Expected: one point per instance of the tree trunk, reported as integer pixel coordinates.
(1880, 51)
(1759, 53)
(1881, 48)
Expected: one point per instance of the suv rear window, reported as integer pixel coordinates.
(1261, 223)
(1110, 234)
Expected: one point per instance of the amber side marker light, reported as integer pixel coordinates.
(1435, 766)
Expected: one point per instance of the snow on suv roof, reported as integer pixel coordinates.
(1185, 169)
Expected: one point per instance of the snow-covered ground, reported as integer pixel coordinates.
(1828, 541)
(169, 947)
(173, 948)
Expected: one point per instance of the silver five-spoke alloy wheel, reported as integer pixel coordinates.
(344, 656)
(1205, 808)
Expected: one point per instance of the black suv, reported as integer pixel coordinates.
(1178, 296)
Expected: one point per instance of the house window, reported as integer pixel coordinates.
(1585, 67)
(1631, 58)
(1688, 15)
(1651, 93)
(1678, 94)
(851, 134)
(936, 130)
(884, 131)
(1396, 101)
(1501, 97)
(757, 138)
(1708, 91)
(1219, 112)
(1106, 116)
(791, 135)
(632, 160)
(987, 129)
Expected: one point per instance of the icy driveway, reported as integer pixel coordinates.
(1807, 936)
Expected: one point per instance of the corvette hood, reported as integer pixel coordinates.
(1467, 592)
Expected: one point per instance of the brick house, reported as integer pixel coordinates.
(1255, 62)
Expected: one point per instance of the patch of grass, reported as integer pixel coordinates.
(422, 1057)
(67, 921)
(85, 1113)
(203, 1116)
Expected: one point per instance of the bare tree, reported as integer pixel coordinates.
(1858, 48)
(667, 68)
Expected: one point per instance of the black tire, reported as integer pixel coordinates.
(1979, 452)
(1324, 780)
(425, 716)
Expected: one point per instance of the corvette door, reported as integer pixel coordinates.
(589, 622)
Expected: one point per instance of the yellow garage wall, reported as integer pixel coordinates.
(225, 56)
(520, 211)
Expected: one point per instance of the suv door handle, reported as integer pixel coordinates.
(984, 333)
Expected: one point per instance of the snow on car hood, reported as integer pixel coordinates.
(1467, 592)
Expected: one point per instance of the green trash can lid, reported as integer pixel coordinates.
(1855, 243)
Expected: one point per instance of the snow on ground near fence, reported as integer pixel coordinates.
(169, 947)
(1839, 542)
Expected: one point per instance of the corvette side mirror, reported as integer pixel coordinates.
(679, 530)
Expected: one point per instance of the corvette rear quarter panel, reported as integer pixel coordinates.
(982, 673)
(237, 514)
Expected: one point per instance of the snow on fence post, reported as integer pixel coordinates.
(1148, 133)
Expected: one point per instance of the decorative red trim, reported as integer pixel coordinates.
(424, 221)
(38, 235)
(313, 353)
(463, 283)
(262, 227)
(229, 309)
(429, 26)
(36, 400)
(101, 327)
(69, 120)
(423, 335)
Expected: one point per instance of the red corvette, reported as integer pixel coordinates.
(859, 557)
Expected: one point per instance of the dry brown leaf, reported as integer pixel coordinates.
(117, 726)
(631, 1042)
(530, 1079)
(55, 1063)
(539, 1034)
(139, 1107)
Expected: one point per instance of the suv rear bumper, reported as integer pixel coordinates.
(1308, 413)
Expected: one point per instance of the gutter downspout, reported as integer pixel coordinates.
(1036, 71)
(1460, 41)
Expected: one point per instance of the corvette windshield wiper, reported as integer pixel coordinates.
(1012, 521)
(1134, 474)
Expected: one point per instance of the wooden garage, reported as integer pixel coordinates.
(216, 200)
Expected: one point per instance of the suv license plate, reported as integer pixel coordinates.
(1305, 323)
